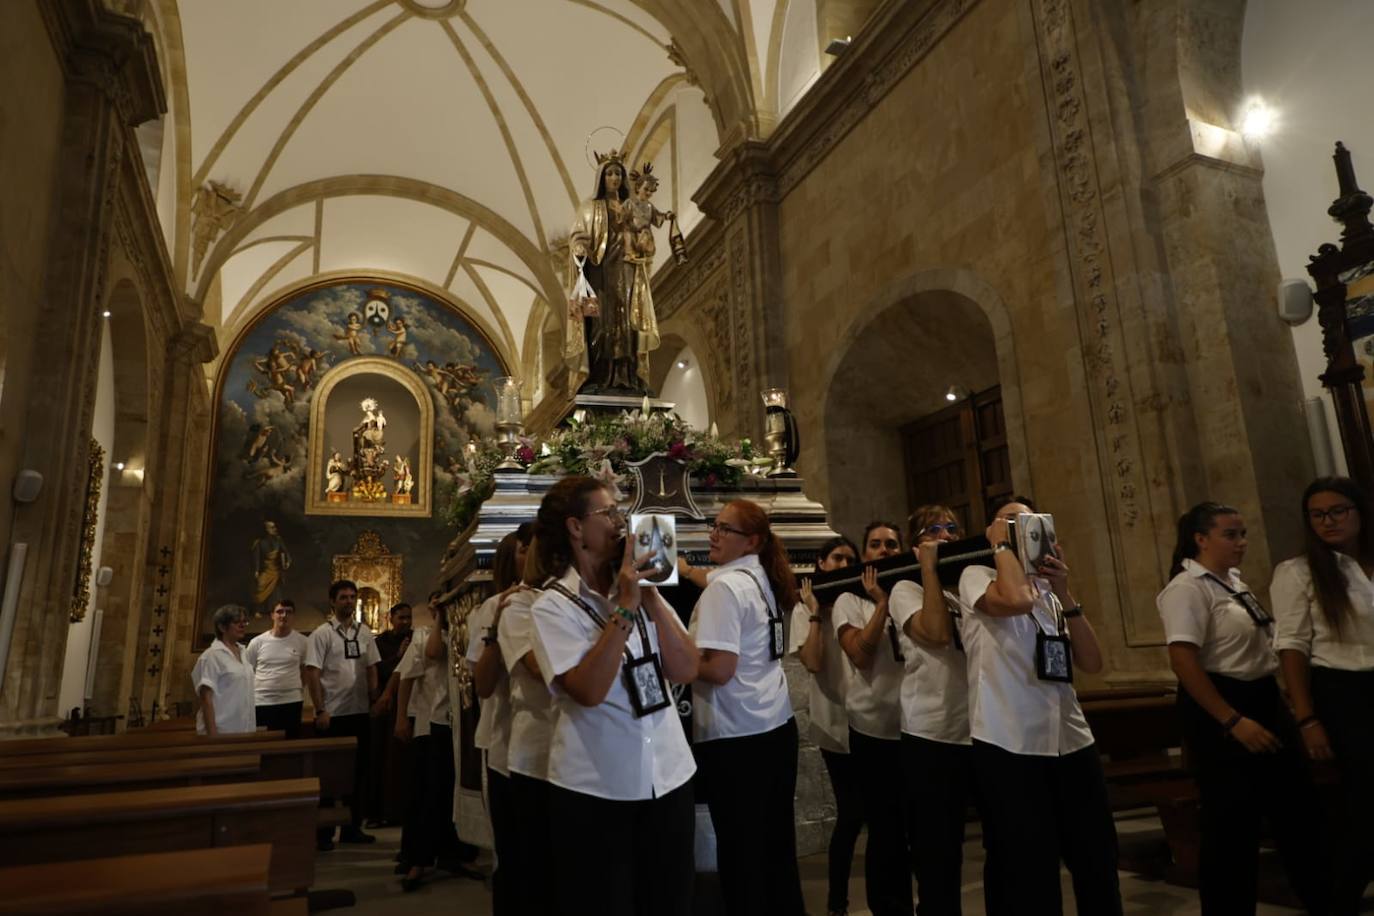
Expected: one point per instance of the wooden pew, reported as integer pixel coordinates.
(84, 779)
(22, 747)
(210, 882)
(281, 813)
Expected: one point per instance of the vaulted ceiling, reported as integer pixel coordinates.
(445, 142)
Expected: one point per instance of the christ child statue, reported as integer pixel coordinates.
(642, 217)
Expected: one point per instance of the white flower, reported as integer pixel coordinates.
(609, 478)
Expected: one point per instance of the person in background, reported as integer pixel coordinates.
(277, 657)
(746, 736)
(341, 675)
(531, 731)
(223, 679)
(493, 728)
(621, 813)
(1242, 744)
(1324, 607)
(1039, 774)
(812, 640)
(868, 636)
(390, 762)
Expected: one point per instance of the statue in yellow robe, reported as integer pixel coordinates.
(271, 560)
(611, 328)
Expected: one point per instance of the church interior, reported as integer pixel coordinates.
(302, 292)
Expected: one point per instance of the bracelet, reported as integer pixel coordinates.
(629, 615)
(1075, 611)
(1231, 723)
(1308, 721)
(1005, 545)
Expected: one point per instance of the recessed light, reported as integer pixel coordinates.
(1258, 120)
(105, 313)
(682, 364)
(119, 465)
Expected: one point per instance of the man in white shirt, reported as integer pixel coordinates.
(341, 673)
(277, 657)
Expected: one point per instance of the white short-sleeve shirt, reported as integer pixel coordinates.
(829, 728)
(732, 616)
(493, 726)
(1008, 705)
(1301, 625)
(276, 662)
(230, 679)
(873, 700)
(1198, 610)
(531, 703)
(604, 750)
(935, 684)
(429, 693)
(343, 679)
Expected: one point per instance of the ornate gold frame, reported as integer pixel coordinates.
(81, 595)
(372, 565)
(315, 501)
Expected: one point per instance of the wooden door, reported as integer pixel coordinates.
(958, 457)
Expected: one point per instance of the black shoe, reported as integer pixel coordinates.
(402, 868)
(354, 835)
(324, 845)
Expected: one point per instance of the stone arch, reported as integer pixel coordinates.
(929, 330)
(684, 335)
(129, 505)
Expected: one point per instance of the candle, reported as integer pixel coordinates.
(715, 432)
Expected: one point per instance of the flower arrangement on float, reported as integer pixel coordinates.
(600, 446)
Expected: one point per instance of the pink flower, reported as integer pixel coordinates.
(524, 454)
(678, 449)
(711, 479)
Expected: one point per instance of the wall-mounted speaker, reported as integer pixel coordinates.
(104, 576)
(28, 483)
(1295, 301)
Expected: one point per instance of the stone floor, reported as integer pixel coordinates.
(366, 870)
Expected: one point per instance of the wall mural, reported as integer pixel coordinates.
(382, 387)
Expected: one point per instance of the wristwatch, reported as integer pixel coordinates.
(998, 548)
(1075, 611)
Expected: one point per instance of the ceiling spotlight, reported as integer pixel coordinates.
(956, 392)
(1258, 120)
(119, 465)
(838, 46)
(105, 313)
(682, 364)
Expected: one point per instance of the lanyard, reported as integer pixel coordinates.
(1252, 606)
(1057, 609)
(777, 647)
(768, 609)
(601, 621)
(351, 647)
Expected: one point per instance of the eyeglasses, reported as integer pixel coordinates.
(1335, 513)
(951, 527)
(722, 528)
(612, 513)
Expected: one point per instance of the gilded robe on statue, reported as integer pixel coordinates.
(609, 351)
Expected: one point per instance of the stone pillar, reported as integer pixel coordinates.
(110, 85)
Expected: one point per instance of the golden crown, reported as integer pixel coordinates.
(614, 155)
(645, 173)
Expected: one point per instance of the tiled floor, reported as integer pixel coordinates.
(366, 870)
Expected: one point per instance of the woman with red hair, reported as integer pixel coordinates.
(746, 736)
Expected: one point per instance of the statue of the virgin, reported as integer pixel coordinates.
(611, 325)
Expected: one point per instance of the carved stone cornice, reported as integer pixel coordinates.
(195, 342)
(743, 179)
(110, 51)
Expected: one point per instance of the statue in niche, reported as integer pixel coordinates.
(369, 463)
(612, 327)
(336, 474)
(405, 479)
(353, 325)
(271, 560)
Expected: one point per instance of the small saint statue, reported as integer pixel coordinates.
(336, 472)
(405, 480)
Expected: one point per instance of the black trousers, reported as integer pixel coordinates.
(849, 820)
(1237, 788)
(623, 858)
(354, 726)
(505, 880)
(280, 717)
(887, 860)
(414, 845)
(1037, 810)
(533, 846)
(938, 783)
(1344, 701)
(750, 784)
(427, 833)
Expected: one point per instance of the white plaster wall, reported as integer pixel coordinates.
(72, 691)
(1309, 61)
(686, 389)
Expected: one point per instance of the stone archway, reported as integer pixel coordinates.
(893, 365)
(129, 506)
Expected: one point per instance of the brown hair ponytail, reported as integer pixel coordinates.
(772, 553)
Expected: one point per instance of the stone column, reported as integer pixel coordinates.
(110, 76)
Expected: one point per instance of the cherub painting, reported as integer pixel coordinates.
(350, 333)
(278, 464)
(397, 327)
